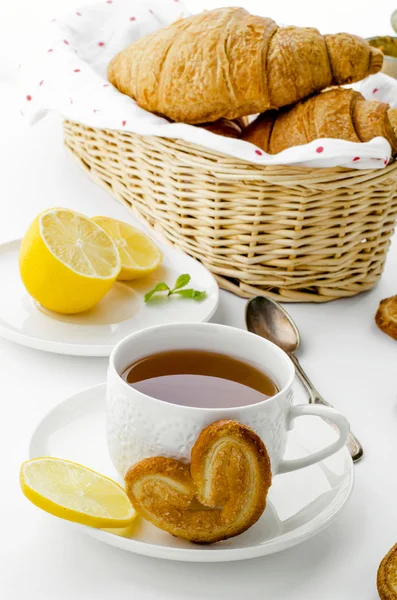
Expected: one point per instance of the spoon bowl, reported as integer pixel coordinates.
(268, 319)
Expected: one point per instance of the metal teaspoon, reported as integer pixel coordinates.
(268, 319)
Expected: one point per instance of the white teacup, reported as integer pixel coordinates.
(139, 426)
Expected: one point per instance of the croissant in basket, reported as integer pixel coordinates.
(229, 63)
(337, 113)
(223, 127)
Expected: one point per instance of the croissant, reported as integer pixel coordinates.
(337, 113)
(219, 495)
(223, 127)
(229, 63)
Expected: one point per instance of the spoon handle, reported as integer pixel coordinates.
(354, 446)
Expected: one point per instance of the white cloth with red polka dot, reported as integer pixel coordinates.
(66, 74)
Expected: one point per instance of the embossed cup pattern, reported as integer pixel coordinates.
(134, 433)
(139, 426)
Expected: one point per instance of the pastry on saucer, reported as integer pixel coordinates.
(219, 495)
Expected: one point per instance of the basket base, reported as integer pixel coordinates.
(250, 291)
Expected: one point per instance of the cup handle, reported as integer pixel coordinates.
(325, 412)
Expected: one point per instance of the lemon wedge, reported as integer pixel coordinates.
(139, 254)
(67, 262)
(75, 493)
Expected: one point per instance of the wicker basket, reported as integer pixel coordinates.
(293, 234)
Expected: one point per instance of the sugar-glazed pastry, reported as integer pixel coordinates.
(219, 495)
(386, 316)
(387, 576)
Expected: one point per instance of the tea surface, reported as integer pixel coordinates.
(199, 378)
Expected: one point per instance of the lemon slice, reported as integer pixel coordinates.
(139, 254)
(75, 493)
(67, 262)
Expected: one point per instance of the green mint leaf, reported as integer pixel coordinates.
(160, 287)
(189, 293)
(149, 295)
(199, 295)
(181, 281)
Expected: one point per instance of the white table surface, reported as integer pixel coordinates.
(350, 360)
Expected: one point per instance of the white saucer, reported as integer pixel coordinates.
(300, 504)
(120, 313)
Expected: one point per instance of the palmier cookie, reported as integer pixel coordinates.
(386, 316)
(387, 576)
(219, 495)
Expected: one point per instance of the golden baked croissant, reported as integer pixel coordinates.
(337, 113)
(228, 63)
(219, 495)
(223, 127)
(242, 122)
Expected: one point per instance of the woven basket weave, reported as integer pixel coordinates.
(293, 234)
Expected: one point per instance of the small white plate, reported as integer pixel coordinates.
(300, 504)
(120, 313)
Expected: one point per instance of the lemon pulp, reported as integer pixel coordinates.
(67, 262)
(138, 253)
(76, 493)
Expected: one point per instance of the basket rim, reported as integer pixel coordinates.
(238, 168)
(152, 176)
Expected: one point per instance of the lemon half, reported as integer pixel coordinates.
(67, 262)
(139, 254)
(75, 493)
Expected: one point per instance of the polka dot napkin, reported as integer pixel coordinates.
(66, 74)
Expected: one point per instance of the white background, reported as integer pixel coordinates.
(352, 363)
